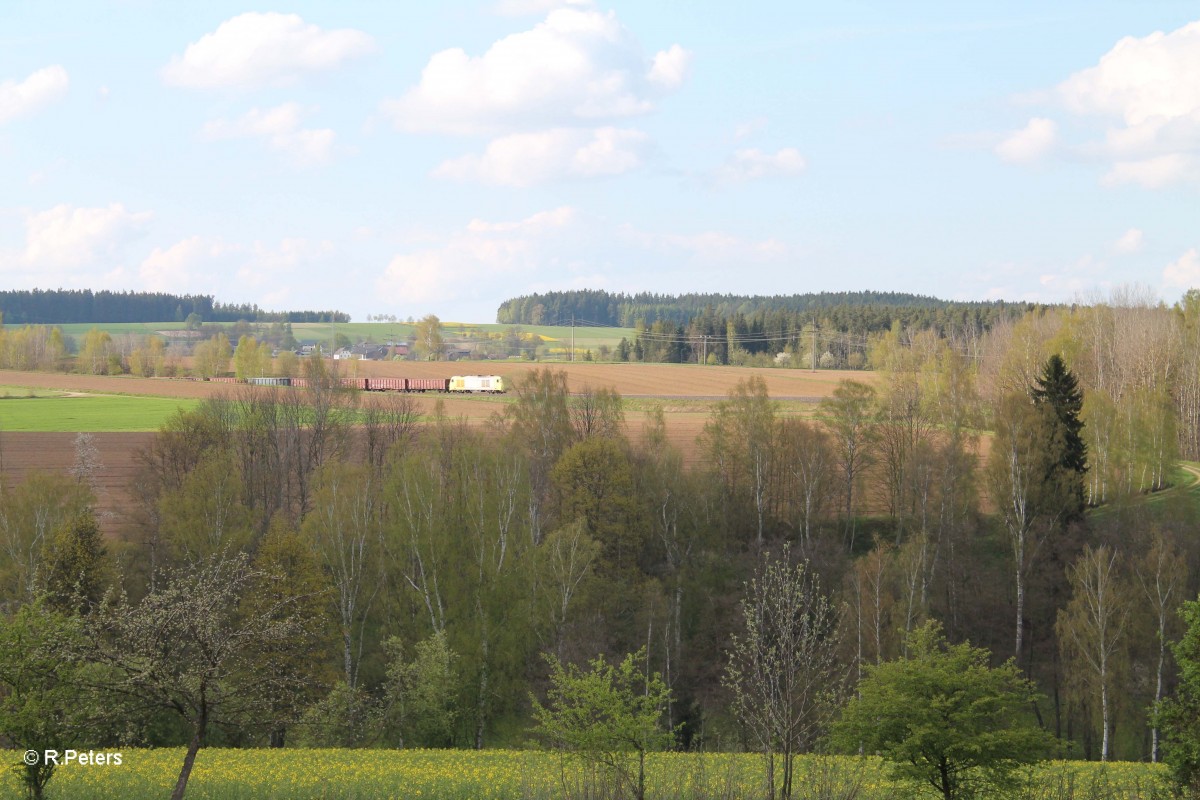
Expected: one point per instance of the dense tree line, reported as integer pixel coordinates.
(67, 306)
(857, 312)
(829, 330)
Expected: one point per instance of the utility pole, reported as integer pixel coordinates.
(704, 348)
(572, 358)
(814, 346)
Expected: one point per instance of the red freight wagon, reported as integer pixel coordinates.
(428, 384)
(387, 384)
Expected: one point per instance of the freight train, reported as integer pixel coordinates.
(470, 384)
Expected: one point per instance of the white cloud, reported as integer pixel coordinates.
(1154, 173)
(1130, 241)
(1184, 272)
(271, 49)
(1152, 86)
(541, 221)
(269, 265)
(1157, 76)
(670, 67)
(525, 159)
(752, 163)
(577, 66)
(265, 271)
(66, 236)
(1030, 143)
(484, 257)
(174, 268)
(748, 128)
(280, 128)
(20, 99)
(520, 8)
(712, 247)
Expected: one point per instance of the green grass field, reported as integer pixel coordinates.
(526, 775)
(59, 412)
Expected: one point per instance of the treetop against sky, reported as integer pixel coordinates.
(409, 158)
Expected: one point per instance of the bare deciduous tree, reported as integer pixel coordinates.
(783, 669)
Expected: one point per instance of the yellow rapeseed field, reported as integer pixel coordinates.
(298, 774)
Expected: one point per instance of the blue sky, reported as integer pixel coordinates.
(405, 158)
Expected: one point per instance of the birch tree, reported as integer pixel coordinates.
(1161, 575)
(849, 416)
(1091, 629)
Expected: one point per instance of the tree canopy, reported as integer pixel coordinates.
(943, 718)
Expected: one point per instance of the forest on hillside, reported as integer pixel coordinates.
(71, 306)
(439, 565)
(845, 312)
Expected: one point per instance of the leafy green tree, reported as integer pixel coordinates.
(289, 580)
(251, 359)
(1179, 717)
(594, 482)
(428, 338)
(942, 718)
(420, 695)
(206, 515)
(211, 357)
(539, 424)
(75, 567)
(346, 717)
(740, 439)
(93, 356)
(287, 364)
(40, 705)
(609, 715)
(31, 513)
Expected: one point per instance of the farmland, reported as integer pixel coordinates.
(37, 433)
(552, 336)
(223, 774)
(82, 412)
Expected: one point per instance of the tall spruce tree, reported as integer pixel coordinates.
(1057, 390)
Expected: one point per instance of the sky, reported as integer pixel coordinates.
(412, 158)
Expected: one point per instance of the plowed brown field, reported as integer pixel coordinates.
(22, 453)
(697, 387)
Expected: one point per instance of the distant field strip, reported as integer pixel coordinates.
(519, 775)
(88, 413)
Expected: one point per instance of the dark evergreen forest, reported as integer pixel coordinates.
(844, 311)
(67, 306)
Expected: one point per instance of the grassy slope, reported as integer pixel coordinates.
(88, 413)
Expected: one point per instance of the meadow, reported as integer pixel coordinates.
(48, 412)
(296, 774)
